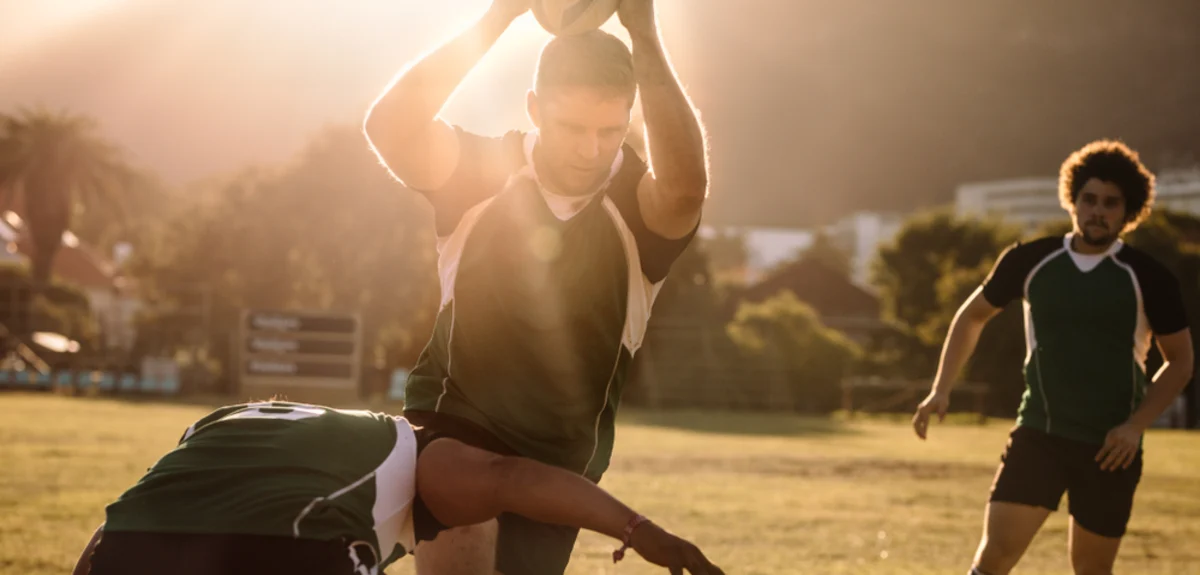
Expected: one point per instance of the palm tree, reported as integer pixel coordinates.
(49, 163)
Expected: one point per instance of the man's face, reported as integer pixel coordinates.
(580, 132)
(1099, 212)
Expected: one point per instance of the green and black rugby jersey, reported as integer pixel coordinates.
(545, 300)
(1089, 321)
(283, 469)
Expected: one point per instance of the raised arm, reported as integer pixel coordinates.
(462, 485)
(403, 126)
(673, 191)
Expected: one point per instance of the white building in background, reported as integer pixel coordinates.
(766, 247)
(1027, 202)
(860, 235)
(1032, 202)
(112, 299)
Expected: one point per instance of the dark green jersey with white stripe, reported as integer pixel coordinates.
(282, 469)
(1089, 321)
(545, 300)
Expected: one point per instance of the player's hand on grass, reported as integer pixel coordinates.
(1120, 447)
(661, 548)
(936, 402)
(510, 9)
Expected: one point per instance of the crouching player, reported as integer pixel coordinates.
(279, 487)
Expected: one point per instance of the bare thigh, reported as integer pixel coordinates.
(460, 551)
(1092, 554)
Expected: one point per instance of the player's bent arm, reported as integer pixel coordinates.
(84, 565)
(402, 126)
(1176, 372)
(672, 197)
(462, 485)
(962, 338)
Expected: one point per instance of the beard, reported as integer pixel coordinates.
(1097, 236)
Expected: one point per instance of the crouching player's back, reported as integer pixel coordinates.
(280, 487)
(295, 475)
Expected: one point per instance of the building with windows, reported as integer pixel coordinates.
(1033, 202)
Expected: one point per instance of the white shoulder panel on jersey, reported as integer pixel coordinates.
(395, 489)
(641, 291)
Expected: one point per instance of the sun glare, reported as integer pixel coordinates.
(26, 23)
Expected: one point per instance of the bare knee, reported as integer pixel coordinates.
(1091, 553)
(1086, 563)
(998, 555)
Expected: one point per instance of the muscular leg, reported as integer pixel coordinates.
(1092, 554)
(460, 551)
(1008, 528)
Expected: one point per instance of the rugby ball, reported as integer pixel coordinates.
(567, 17)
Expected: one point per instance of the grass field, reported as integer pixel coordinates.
(762, 494)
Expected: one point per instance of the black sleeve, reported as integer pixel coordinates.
(656, 252)
(1006, 281)
(1162, 298)
(484, 165)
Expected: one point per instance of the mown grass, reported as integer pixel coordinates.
(761, 494)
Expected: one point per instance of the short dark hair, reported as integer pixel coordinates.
(593, 59)
(1113, 162)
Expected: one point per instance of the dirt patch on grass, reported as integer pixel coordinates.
(858, 468)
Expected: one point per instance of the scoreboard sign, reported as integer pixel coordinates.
(301, 356)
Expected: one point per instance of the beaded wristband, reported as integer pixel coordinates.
(634, 522)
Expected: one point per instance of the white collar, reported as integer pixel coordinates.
(1114, 248)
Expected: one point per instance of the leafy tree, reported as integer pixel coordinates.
(922, 277)
(929, 246)
(329, 232)
(55, 308)
(784, 331)
(824, 251)
(728, 255)
(50, 162)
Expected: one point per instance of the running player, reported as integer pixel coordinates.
(1092, 307)
(552, 247)
(278, 487)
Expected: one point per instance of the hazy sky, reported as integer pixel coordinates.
(814, 108)
(195, 86)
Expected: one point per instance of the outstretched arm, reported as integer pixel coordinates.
(960, 343)
(673, 192)
(403, 126)
(462, 485)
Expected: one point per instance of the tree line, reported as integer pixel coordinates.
(330, 231)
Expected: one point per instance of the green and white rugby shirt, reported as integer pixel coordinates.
(545, 300)
(283, 469)
(1089, 321)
